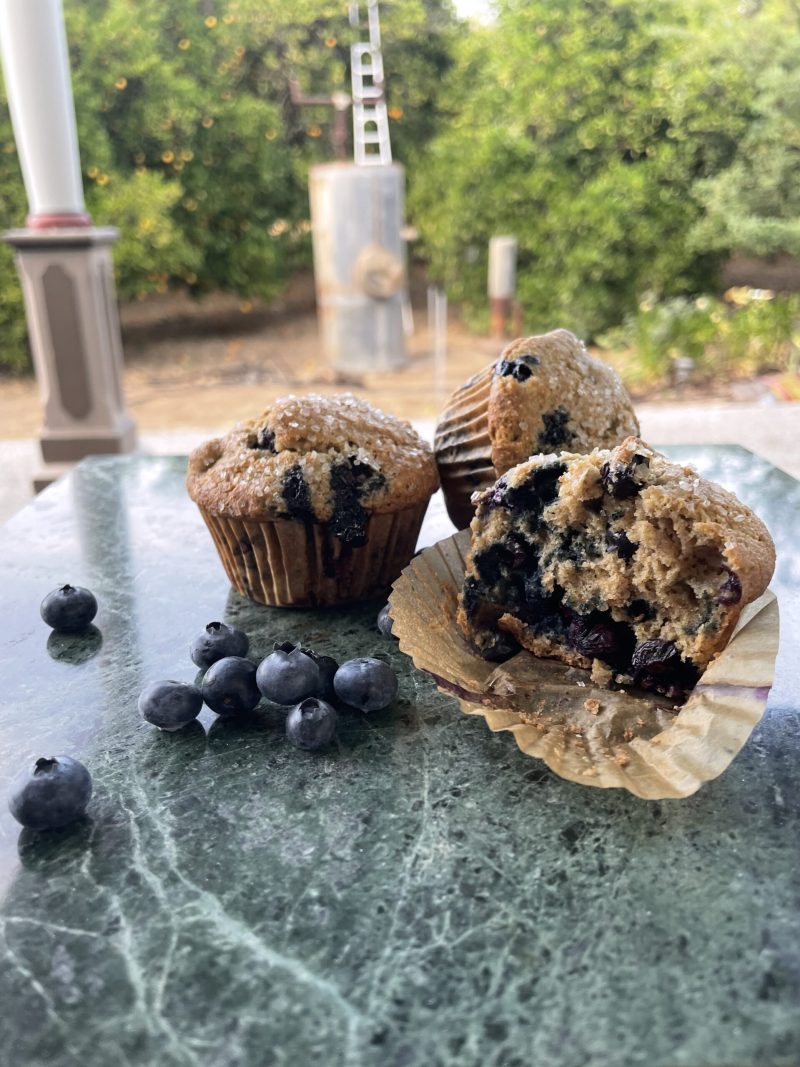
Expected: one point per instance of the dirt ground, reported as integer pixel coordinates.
(209, 363)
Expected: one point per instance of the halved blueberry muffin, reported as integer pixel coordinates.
(543, 394)
(619, 561)
(318, 500)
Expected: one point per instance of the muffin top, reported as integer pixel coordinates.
(316, 458)
(549, 394)
(631, 542)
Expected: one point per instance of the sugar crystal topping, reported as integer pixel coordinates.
(306, 438)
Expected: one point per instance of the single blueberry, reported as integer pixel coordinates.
(519, 368)
(599, 636)
(555, 430)
(170, 705)
(288, 675)
(498, 647)
(730, 592)
(311, 724)
(265, 440)
(229, 686)
(655, 656)
(621, 481)
(217, 641)
(327, 667)
(69, 608)
(658, 664)
(55, 793)
(385, 622)
(365, 683)
(619, 542)
(640, 609)
(497, 496)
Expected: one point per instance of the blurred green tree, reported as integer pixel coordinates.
(753, 205)
(589, 130)
(190, 143)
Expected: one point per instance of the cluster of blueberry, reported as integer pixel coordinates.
(291, 676)
(57, 790)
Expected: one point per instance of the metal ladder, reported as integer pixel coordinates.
(371, 143)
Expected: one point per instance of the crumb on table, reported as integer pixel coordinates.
(592, 706)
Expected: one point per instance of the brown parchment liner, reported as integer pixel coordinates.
(290, 563)
(628, 740)
(463, 447)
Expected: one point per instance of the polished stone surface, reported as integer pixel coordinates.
(422, 895)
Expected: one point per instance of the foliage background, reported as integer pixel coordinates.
(630, 145)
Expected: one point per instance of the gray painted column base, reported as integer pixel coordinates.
(73, 324)
(60, 453)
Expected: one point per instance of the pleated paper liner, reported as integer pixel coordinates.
(290, 563)
(612, 739)
(463, 448)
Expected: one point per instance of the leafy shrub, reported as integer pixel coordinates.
(601, 135)
(751, 332)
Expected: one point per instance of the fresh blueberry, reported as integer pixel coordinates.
(170, 705)
(288, 675)
(327, 667)
(229, 686)
(69, 609)
(385, 622)
(311, 724)
(218, 641)
(55, 793)
(366, 683)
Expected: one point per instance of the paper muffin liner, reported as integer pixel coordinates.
(463, 447)
(290, 563)
(608, 738)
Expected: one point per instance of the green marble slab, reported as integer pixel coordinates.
(422, 895)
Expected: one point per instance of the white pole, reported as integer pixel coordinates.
(502, 280)
(440, 350)
(33, 45)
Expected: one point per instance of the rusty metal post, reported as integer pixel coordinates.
(502, 281)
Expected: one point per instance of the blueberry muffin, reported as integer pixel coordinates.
(318, 500)
(618, 561)
(543, 394)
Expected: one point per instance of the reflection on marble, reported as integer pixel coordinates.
(421, 895)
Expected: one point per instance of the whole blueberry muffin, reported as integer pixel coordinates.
(543, 394)
(618, 561)
(318, 500)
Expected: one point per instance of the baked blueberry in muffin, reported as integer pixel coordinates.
(618, 561)
(544, 394)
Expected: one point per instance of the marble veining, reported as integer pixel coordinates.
(421, 895)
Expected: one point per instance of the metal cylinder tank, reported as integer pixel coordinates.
(357, 215)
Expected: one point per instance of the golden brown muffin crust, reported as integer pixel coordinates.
(306, 438)
(569, 400)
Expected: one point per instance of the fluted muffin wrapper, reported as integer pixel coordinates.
(291, 563)
(463, 447)
(597, 737)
